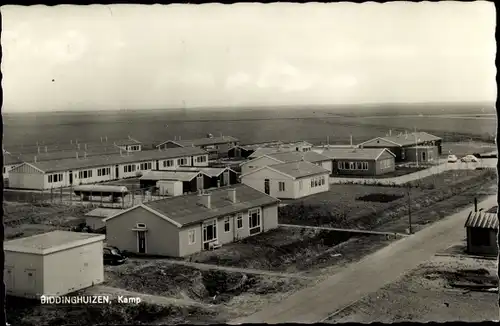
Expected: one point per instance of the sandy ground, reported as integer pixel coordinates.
(423, 295)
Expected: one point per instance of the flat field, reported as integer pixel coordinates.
(369, 207)
(250, 126)
(425, 295)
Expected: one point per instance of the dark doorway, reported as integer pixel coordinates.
(70, 177)
(117, 173)
(267, 189)
(157, 165)
(141, 238)
(423, 156)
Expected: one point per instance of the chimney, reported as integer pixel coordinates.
(106, 139)
(101, 139)
(78, 146)
(205, 200)
(77, 155)
(45, 149)
(38, 149)
(85, 155)
(85, 146)
(390, 132)
(35, 159)
(475, 204)
(232, 195)
(121, 152)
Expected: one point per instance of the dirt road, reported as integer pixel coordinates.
(352, 283)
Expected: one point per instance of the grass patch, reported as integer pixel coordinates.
(380, 198)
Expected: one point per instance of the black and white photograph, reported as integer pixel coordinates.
(243, 163)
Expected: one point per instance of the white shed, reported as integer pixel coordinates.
(95, 218)
(53, 263)
(170, 187)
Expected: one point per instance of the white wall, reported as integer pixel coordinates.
(171, 188)
(256, 181)
(26, 177)
(307, 190)
(257, 163)
(16, 277)
(327, 165)
(83, 267)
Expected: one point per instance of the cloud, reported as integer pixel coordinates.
(283, 76)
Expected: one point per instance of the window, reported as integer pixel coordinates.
(4, 170)
(192, 237)
(145, 166)
(227, 224)
(351, 165)
(315, 182)
(50, 178)
(209, 232)
(312, 183)
(201, 159)
(129, 168)
(254, 221)
(168, 163)
(182, 161)
(239, 221)
(300, 185)
(365, 165)
(358, 165)
(281, 186)
(141, 225)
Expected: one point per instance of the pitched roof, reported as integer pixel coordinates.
(125, 142)
(408, 139)
(49, 242)
(169, 175)
(9, 159)
(299, 169)
(202, 141)
(98, 161)
(186, 210)
(355, 153)
(294, 156)
(482, 220)
(211, 171)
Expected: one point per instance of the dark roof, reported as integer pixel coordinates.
(203, 141)
(9, 159)
(298, 169)
(169, 175)
(186, 210)
(98, 161)
(408, 139)
(482, 220)
(354, 153)
(294, 156)
(52, 156)
(126, 142)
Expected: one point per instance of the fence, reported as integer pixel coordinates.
(66, 196)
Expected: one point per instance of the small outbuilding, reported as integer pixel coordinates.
(53, 263)
(95, 218)
(482, 228)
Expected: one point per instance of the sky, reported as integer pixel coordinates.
(171, 56)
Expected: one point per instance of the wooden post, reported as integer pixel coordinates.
(60, 192)
(133, 201)
(123, 201)
(409, 208)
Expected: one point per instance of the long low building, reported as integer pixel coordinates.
(184, 225)
(361, 161)
(215, 146)
(286, 157)
(89, 170)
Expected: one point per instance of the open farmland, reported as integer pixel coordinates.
(250, 126)
(346, 205)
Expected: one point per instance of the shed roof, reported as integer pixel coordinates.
(169, 175)
(103, 212)
(106, 160)
(209, 171)
(299, 169)
(50, 242)
(355, 153)
(408, 139)
(482, 220)
(185, 210)
(294, 156)
(203, 141)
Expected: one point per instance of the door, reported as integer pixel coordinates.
(423, 156)
(199, 182)
(157, 165)
(267, 189)
(70, 177)
(141, 239)
(225, 178)
(209, 234)
(237, 152)
(8, 276)
(117, 172)
(30, 277)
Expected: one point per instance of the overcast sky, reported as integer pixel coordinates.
(132, 56)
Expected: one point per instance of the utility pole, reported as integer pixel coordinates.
(409, 209)
(416, 147)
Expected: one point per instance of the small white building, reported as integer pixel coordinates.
(286, 157)
(288, 180)
(129, 145)
(53, 263)
(95, 218)
(9, 162)
(90, 170)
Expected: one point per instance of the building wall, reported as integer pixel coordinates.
(327, 165)
(162, 237)
(17, 280)
(256, 181)
(257, 163)
(303, 186)
(381, 168)
(492, 249)
(431, 154)
(269, 220)
(26, 177)
(95, 222)
(372, 168)
(83, 267)
(172, 188)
